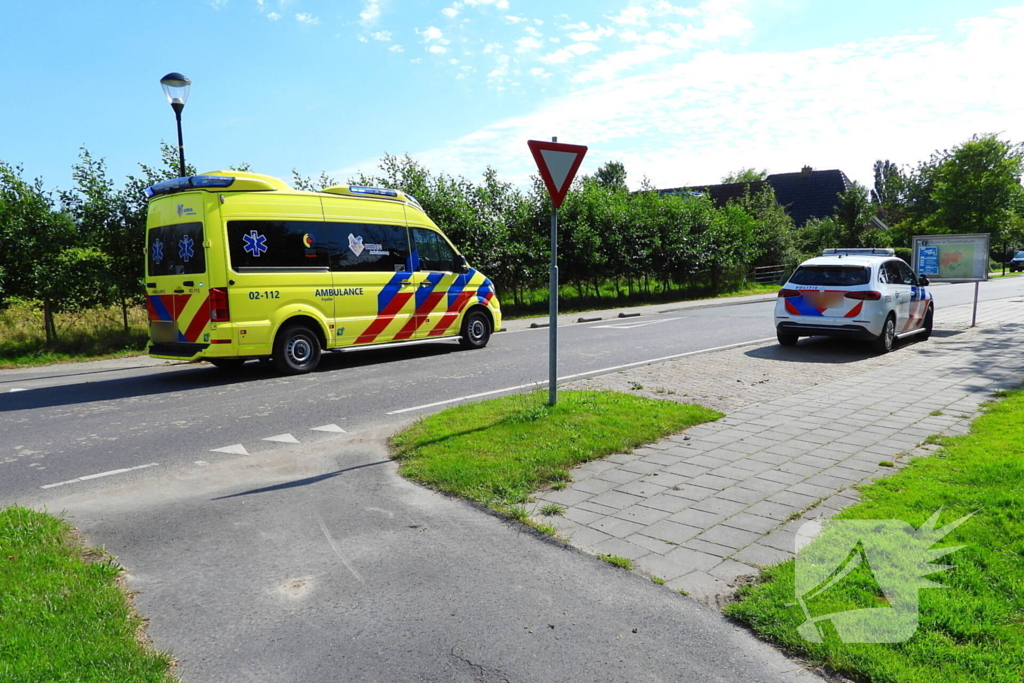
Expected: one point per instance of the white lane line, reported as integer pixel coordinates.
(602, 371)
(631, 325)
(101, 474)
(282, 438)
(18, 389)
(329, 428)
(237, 449)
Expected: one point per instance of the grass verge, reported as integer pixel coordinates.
(62, 616)
(498, 452)
(971, 631)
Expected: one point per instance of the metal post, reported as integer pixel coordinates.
(974, 316)
(1003, 259)
(553, 309)
(177, 106)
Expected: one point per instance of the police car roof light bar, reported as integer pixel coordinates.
(864, 251)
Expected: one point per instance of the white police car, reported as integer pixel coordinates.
(854, 293)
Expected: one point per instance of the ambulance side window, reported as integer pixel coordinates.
(433, 251)
(364, 247)
(292, 245)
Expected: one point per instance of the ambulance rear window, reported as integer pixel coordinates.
(175, 250)
(831, 276)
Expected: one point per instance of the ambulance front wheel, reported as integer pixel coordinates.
(476, 330)
(296, 350)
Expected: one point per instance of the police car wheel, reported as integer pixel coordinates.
(296, 350)
(928, 321)
(787, 339)
(887, 339)
(476, 330)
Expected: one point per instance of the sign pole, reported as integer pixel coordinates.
(557, 164)
(974, 316)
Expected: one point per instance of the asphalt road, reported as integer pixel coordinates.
(63, 423)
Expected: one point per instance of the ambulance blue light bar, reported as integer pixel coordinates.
(181, 184)
(378, 191)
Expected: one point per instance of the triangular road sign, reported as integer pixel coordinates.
(557, 163)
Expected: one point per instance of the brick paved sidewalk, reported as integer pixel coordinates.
(803, 426)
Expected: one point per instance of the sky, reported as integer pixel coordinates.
(682, 92)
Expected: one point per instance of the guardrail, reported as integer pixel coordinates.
(769, 275)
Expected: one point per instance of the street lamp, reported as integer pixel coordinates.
(176, 88)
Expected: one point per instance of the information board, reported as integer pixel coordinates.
(951, 258)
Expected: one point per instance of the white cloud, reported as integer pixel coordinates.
(433, 33)
(703, 116)
(589, 36)
(514, 19)
(370, 12)
(437, 49)
(527, 44)
(273, 16)
(453, 11)
(491, 47)
(453, 62)
(632, 16)
(396, 48)
(309, 19)
(533, 32)
(567, 53)
(540, 72)
(383, 36)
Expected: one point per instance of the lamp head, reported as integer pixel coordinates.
(176, 88)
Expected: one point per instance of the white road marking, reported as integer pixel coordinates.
(329, 428)
(631, 325)
(101, 474)
(18, 389)
(237, 449)
(282, 438)
(543, 383)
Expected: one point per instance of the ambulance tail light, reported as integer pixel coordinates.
(864, 296)
(219, 311)
(787, 293)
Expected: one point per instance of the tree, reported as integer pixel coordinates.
(977, 187)
(612, 175)
(889, 193)
(853, 216)
(745, 175)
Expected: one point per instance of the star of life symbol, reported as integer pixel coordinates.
(255, 243)
(185, 248)
(355, 244)
(893, 553)
(158, 251)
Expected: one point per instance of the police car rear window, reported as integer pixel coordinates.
(831, 276)
(176, 250)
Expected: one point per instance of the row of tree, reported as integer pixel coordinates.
(83, 247)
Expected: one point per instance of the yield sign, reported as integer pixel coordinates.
(558, 164)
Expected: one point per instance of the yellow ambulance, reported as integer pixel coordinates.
(241, 266)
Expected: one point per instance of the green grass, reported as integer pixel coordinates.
(62, 616)
(498, 452)
(85, 335)
(972, 631)
(620, 562)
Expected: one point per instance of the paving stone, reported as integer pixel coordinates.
(730, 570)
(749, 522)
(591, 506)
(753, 466)
(719, 505)
(699, 585)
(666, 503)
(593, 485)
(706, 461)
(693, 559)
(690, 492)
(567, 496)
(811, 490)
(685, 469)
(709, 548)
(643, 489)
(762, 485)
(671, 532)
(662, 567)
(761, 556)
(654, 545)
(586, 537)
(665, 479)
(780, 540)
(773, 459)
(580, 516)
(803, 471)
(781, 477)
(728, 536)
(622, 458)
(619, 528)
(793, 499)
(713, 482)
(742, 495)
(618, 476)
(616, 500)
(697, 518)
(642, 514)
(620, 548)
(772, 510)
(640, 467)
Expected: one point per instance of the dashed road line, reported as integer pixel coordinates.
(17, 389)
(329, 428)
(97, 476)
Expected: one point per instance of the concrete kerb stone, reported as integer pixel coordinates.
(788, 450)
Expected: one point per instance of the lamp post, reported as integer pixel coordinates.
(176, 88)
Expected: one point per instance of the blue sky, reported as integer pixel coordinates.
(681, 91)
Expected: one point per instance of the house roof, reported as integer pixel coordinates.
(804, 195)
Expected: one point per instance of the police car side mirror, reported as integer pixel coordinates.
(460, 263)
(922, 281)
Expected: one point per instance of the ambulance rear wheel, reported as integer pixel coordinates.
(476, 330)
(296, 350)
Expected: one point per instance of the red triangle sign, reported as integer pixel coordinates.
(557, 163)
